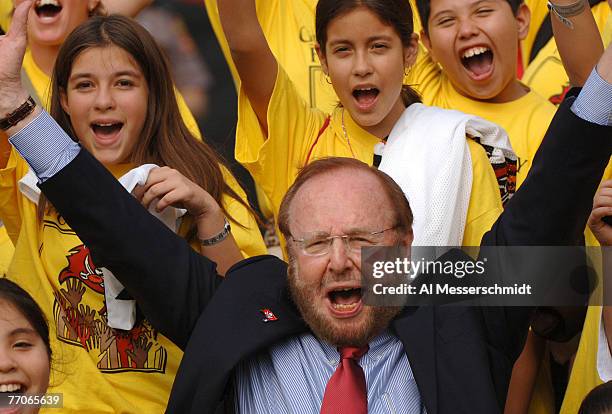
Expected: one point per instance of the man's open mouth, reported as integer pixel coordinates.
(345, 300)
(47, 8)
(478, 61)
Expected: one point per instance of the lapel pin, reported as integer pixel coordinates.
(269, 316)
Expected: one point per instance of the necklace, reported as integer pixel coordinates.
(346, 136)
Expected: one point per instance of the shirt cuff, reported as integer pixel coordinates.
(45, 146)
(593, 104)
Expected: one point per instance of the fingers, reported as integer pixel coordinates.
(599, 213)
(20, 19)
(167, 193)
(603, 198)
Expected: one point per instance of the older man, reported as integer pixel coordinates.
(299, 339)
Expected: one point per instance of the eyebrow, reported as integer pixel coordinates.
(474, 4)
(20, 331)
(116, 74)
(369, 40)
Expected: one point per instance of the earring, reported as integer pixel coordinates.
(328, 79)
(406, 71)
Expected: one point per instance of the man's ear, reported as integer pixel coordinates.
(427, 42)
(407, 239)
(64, 102)
(523, 19)
(322, 58)
(411, 51)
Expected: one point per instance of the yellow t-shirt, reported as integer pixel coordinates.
(293, 129)
(545, 74)
(525, 119)
(96, 368)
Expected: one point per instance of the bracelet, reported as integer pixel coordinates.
(18, 114)
(218, 238)
(564, 12)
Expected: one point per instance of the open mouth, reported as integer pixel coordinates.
(106, 130)
(365, 97)
(11, 389)
(478, 61)
(345, 301)
(47, 8)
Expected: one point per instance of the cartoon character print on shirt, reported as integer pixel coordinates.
(80, 314)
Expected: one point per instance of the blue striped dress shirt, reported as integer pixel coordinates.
(292, 375)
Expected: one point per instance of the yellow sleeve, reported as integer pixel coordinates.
(187, 116)
(244, 226)
(292, 128)
(9, 205)
(485, 202)
(607, 32)
(6, 7)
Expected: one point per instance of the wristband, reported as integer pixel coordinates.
(218, 238)
(18, 114)
(564, 12)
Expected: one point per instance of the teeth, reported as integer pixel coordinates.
(343, 307)
(105, 125)
(474, 51)
(41, 3)
(10, 387)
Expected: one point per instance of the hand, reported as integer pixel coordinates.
(12, 49)
(171, 188)
(75, 292)
(140, 353)
(602, 207)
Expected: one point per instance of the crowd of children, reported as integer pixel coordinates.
(315, 78)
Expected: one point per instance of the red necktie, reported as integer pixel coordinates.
(346, 391)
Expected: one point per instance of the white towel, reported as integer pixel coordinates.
(121, 312)
(428, 156)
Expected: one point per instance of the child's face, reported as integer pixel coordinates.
(106, 99)
(365, 60)
(51, 21)
(24, 362)
(476, 42)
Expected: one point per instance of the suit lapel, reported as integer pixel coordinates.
(415, 328)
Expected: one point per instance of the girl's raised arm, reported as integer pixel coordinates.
(256, 65)
(578, 41)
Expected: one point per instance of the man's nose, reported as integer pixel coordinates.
(339, 255)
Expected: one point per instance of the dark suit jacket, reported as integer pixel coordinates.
(461, 357)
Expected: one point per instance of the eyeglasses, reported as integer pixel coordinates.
(319, 244)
